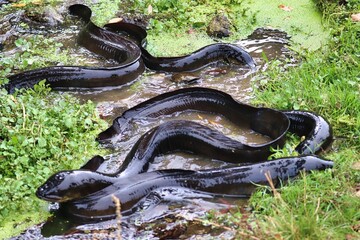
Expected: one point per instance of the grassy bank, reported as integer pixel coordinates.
(321, 205)
(40, 133)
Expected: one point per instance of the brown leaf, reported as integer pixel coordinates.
(355, 17)
(115, 20)
(18, 5)
(39, 2)
(285, 8)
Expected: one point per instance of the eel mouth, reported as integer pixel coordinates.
(43, 194)
(49, 198)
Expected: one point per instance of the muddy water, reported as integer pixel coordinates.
(170, 214)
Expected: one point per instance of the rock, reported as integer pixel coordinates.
(185, 77)
(52, 16)
(219, 27)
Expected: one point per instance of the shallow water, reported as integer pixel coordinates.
(180, 209)
(233, 79)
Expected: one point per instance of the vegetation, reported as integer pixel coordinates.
(39, 135)
(321, 205)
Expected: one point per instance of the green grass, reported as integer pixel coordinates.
(38, 136)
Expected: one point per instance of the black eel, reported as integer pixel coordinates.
(317, 131)
(177, 135)
(130, 56)
(80, 200)
(192, 137)
(269, 122)
(191, 62)
(98, 40)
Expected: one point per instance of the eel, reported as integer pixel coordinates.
(131, 57)
(266, 121)
(176, 135)
(98, 40)
(191, 137)
(191, 62)
(317, 131)
(74, 189)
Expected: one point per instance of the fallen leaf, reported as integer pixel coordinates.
(37, 2)
(349, 237)
(355, 17)
(356, 227)
(18, 5)
(150, 9)
(115, 20)
(356, 166)
(200, 117)
(357, 194)
(212, 122)
(285, 8)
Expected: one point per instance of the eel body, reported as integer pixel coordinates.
(191, 137)
(129, 54)
(317, 131)
(191, 62)
(234, 181)
(99, 41)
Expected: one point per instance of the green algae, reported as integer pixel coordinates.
(300, 19)
(103, 10)
(303, 22)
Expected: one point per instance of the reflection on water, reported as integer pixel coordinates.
(183, 206)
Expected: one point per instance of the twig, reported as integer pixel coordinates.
(317, 206)
(269, 179)
(118, 215)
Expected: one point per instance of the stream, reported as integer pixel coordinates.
(169, 214)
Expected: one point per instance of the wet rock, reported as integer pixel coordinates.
(219, 27)
(263, 33)
(45, 17)
(185, 77)
(9, 30)
(52, 16)
(2, 2)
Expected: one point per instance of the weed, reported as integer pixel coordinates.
(38, 136)
(33, 52)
